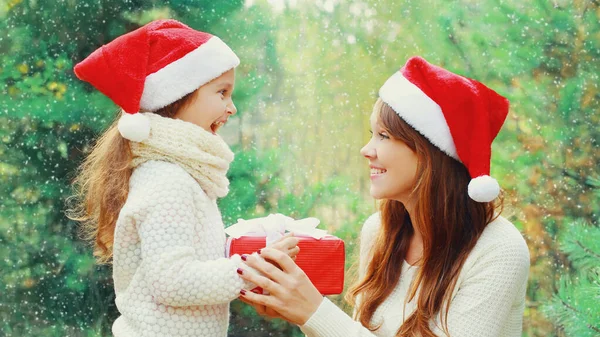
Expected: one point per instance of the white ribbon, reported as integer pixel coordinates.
(274, 227)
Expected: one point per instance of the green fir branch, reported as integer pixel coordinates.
(576, 305)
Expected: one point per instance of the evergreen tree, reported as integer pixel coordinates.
(575, 307)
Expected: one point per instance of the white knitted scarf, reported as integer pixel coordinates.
(204, 155)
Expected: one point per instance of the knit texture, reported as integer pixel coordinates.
(170, 272)
(204, 155)
(488, 301)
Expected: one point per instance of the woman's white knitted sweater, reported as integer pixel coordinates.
(488, 300)
(170, 272)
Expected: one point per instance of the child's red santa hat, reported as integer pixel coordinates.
(152, 67)
(458, 115)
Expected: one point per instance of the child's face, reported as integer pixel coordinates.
(211, 105)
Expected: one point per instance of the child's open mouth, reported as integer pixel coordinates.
(215, 126)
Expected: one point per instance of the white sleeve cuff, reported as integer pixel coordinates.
(237, 260)
(329, 321)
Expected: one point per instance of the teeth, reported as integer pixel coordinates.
(217, 125)
(378, 171)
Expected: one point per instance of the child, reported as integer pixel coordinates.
(149, 187)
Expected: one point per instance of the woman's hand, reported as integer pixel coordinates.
(261, 309)
(288, 244)
(292, 296)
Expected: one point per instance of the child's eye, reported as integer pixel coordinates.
(222, 92)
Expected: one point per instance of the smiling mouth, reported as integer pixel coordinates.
(216, 126)
(375, 171)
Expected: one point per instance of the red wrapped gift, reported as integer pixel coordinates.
(323, 260)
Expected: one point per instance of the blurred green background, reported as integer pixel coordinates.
(309, 76)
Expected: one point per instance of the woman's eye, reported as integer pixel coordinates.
(381, 135)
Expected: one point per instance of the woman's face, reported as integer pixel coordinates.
(211, 105)
(393, 164)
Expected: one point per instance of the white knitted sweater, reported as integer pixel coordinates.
(488, 300)
(170, 271)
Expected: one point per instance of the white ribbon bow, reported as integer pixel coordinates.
(274, 226)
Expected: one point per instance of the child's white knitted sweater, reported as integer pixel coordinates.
(488, 300)
(169, 267)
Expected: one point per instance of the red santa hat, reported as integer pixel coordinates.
(458, 115)
(152, 67)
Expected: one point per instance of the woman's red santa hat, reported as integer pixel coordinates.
(152, 67)
(458, 115)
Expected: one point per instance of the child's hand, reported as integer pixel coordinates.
(288, 244)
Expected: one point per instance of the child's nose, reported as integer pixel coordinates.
(231, 109)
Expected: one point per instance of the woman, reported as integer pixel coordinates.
(438, 259)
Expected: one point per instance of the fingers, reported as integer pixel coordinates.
(260, 309)
(272, 313)
(293, 252)
(285, 236)
(283, 260)
(256, 306)
(267, 269)
(257, 300)
(285, 244)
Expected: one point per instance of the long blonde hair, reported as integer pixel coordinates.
(450, 224)
(101, 185)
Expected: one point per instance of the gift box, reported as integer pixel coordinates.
(321, 256)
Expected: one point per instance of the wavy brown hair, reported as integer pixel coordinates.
(101, 185)
(449, 222)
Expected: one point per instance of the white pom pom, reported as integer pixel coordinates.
(135, 127)
(484, 189)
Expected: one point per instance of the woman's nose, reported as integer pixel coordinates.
(368, 151)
